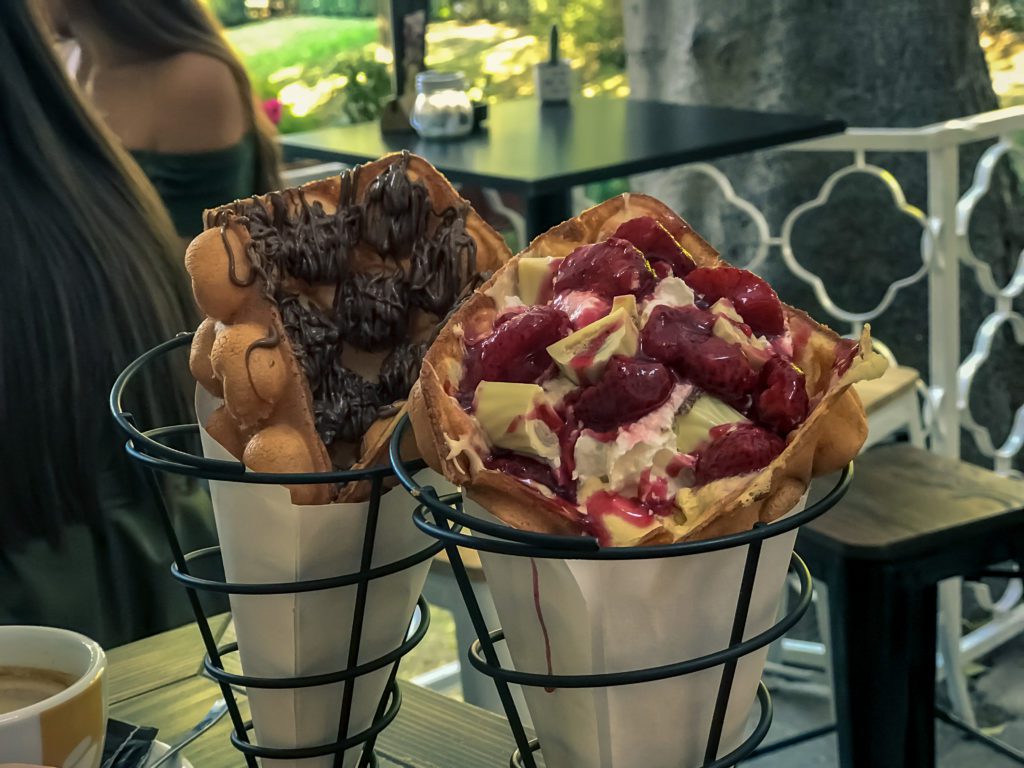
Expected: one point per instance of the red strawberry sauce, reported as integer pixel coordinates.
(604, 504)
(540, 618)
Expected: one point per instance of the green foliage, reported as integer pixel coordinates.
(321, 69)
(233, 13)
(230, 12)
(593, 26)
(369, 84)
(498, 59)
(603, 190)
(589, 21)
(1004, 15)
(350, 8)
(507, 11)
(281, 51)
(441, 10)
(591, 35)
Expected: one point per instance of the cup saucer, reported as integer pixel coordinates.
(158, 750)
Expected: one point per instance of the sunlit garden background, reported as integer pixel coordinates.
(326, 60)
(1002, 38)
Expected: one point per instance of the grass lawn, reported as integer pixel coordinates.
(284, 50)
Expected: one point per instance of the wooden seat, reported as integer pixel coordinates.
(896, 381)
(910, 520)
(906, 502)
(442, 566)
(890, 403)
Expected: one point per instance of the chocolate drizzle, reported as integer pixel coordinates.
(293, 239)
(474, 282)
(373, 309)
(436, 278)
(397, 211)
(346, 406)
(269, 341)
(400, 370)
(321, 345)
(232, 273)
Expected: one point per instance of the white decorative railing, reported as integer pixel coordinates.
(945, 244)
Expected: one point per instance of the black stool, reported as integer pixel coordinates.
(910, 520)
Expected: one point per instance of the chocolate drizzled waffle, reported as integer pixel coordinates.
(319, 304)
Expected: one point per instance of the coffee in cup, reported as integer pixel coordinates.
(53, 704)
(22, 687)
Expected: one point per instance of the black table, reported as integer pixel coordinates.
(540, 153)
(910, 520)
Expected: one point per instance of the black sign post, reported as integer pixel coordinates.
(407, 27)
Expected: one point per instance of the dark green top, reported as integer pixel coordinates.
(111, 580)
(189, 184)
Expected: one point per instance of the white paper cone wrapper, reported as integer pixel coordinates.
(614, 616)
(265, 538)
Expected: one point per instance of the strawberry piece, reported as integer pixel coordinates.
(662, 269)
(567, 438)
(628, 390)
(783, 403)
(523, 467)
(657, 245)
(528, 468)
(681, 337)
(612, 268)
(668, 329)
(582, 307)
(516, 350)
(753, 298)
(743, 449)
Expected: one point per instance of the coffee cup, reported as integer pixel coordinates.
(53, 703)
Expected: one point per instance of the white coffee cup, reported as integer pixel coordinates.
(66, 729)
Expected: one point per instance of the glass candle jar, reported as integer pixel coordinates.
(442, 109)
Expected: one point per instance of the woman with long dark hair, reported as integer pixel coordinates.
(91, 277)
(165, 80)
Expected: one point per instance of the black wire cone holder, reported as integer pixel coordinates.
(149, 450)
(447, 522)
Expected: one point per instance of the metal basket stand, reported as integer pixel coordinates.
(446, 523)
(148, 448)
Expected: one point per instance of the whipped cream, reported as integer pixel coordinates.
(503, 292)
(670, 292)
(617, 465)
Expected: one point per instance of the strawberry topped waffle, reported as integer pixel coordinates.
(617, 379)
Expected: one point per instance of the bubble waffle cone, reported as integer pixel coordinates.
(453, 442)
(319, 304)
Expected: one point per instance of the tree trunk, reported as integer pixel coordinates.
(884, 63)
